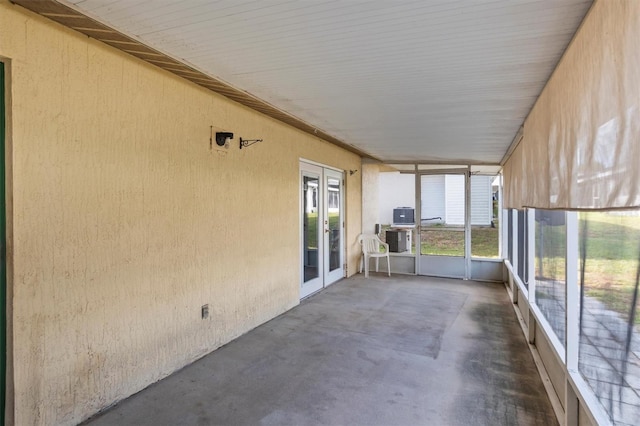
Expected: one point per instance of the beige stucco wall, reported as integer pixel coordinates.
(125, 222)
(370, 204)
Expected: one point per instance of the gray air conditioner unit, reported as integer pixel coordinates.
(404, 216)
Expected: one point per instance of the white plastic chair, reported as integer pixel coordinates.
(371, 248)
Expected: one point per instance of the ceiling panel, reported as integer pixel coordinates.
(423, 80)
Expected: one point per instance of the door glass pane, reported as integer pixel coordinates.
(333, 210)
(443, 215)
(310, 222)
(485, 224)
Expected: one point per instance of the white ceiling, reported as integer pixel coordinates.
(412, 80)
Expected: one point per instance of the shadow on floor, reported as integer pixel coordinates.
(384, 351)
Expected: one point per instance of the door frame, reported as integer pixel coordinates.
(475, 268)
(326, 277)
(449, 266)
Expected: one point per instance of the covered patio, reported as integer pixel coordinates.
(185, 186)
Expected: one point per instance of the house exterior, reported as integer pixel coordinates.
(126, 220)
(393, 190)
(442, 196)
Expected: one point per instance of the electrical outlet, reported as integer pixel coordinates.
(205, 311)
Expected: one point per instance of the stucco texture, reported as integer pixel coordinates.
(125, 222)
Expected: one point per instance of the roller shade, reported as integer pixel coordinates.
(581, 141)
(512, 178)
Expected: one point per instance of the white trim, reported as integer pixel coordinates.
(418, 210)
(460, 171)
(504, 231)
(467, 224)
(403, 254)
(324, 166)
(572, 310)
(514, 244)
(501, 223)
(516, 279)
(530, 217)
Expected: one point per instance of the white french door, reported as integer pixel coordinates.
(333, 226)
(322, 227)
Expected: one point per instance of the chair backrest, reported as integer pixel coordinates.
(370, 243)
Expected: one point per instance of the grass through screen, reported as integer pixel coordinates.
(613, 246)
(450, 241)
(612, 257)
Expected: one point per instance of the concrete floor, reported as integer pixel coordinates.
(384, 351)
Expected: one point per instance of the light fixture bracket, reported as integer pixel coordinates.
(248, 142)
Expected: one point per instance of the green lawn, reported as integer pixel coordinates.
(612, 251)
(613, 248)
(443, 241)
(484, 241)
(449, 241)
(312, 227)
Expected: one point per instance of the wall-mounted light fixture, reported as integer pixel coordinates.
(220, 138)
(248, 142)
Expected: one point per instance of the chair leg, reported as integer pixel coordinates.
(388, 265)
(366, 266)
(377, 263)
(360, 264)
